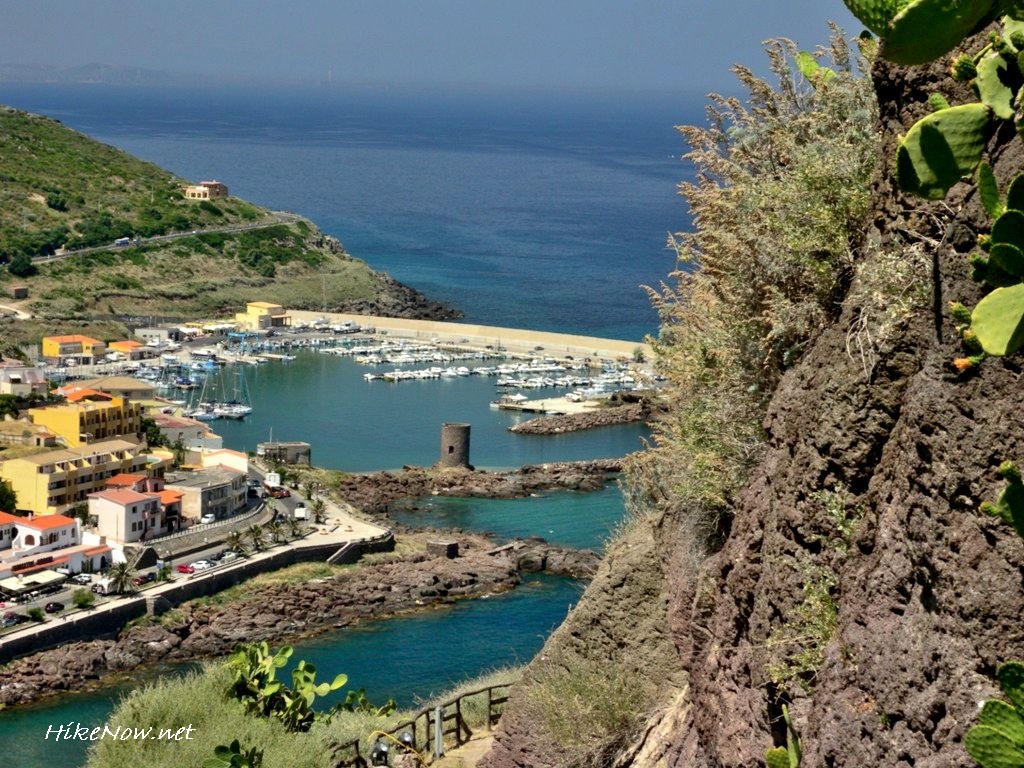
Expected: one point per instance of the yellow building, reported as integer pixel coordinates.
(88, 421)
(52, 482)
(262, 315)
(205, 190)
(84, 349)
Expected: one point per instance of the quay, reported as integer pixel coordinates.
(515, 340)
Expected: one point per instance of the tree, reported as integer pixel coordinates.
(8, 499)
(294, 528)
(154, 437)
(257, 536)
(319, 508)
(236, 541)
(179, 452)
(120, 578)
(276, 530)
(22, 266)
(83, 598)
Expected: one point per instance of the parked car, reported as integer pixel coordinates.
(143, 578)
(82, 578)
(11, 618)
(209, 517)
(185, 568)
(280, 493)
(53, 607)
(229, 557)
(201, 565)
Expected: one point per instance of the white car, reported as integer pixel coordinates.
(202, 565)
(208, 518)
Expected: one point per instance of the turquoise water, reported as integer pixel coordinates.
(408, 659)
(358, 425)
(567, 518)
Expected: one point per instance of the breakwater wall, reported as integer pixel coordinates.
(108, 620)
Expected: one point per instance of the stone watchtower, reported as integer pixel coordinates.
(454, 446)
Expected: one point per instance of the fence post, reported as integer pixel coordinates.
(489, 689)
(438, 733)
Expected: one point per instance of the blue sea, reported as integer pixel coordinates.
(535, 209)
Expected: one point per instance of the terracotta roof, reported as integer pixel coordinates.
(46, 522)
(75, 394)
(122, 496)
(7, 518)
(72, 337)
(96, 551)
(125, 344)
(125, 480)
(170, 497)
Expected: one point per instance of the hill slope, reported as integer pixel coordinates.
(63, 190)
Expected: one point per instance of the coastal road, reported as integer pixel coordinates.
(276, 217)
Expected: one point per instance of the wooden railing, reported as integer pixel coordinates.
(454, 730)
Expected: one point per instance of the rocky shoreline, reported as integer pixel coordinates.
(395, 299)
(376, 491)
(279, 612)
(577, 422)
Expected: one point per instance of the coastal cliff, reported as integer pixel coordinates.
(851, 575)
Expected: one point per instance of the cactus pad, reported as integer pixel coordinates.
(777, 757)
(992, 85)
(925, 29)
(941, 148)
(875, 14)
(1015, 194)
(1008, 258)
(998, 320)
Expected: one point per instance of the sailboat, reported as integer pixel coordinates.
(238, 406)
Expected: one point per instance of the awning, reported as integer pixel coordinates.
(19, 585)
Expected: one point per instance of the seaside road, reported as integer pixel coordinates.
(517, 340)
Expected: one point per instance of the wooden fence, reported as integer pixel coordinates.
(454, 730)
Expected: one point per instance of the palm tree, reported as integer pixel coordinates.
(276, 530)
(236, 542)
(294, 528)
(319, 510)
(120, 578)
(257, 536)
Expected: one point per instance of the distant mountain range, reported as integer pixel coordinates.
(106, 74)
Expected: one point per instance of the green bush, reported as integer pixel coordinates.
(36, 614)
(83, 598)
(22, 266)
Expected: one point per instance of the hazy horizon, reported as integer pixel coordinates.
(575, 44)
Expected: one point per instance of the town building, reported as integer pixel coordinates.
(205, 190)
(286, 452)
(52, 482)
(161, 336)
(75, 348)
(90, 420)
(17, 291)
(193, 434)
(262, 315)
(24, 432)
(32, 545)
(22, 380)
(218, 491)
(123, 386)
(131, 349)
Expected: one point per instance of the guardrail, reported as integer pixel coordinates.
(431, 727)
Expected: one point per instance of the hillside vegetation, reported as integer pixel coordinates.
(61, 189)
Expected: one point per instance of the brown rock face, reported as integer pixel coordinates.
(926, 590)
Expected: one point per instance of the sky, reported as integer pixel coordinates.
(631, 44)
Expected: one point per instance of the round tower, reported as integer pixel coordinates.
(454, 446)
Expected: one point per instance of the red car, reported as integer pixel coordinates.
(186, 568)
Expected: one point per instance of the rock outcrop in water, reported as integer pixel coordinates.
(374, 492)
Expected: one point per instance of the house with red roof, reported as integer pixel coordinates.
(30, 544)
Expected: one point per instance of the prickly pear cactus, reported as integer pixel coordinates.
(925, 29)
(997, 741)
(942, 148)
(1010, 504)
(875, 14)
(777, 757)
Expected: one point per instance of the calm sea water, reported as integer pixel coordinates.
(567, 518)
(531, 209)
(407, 659)
(356, 425)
